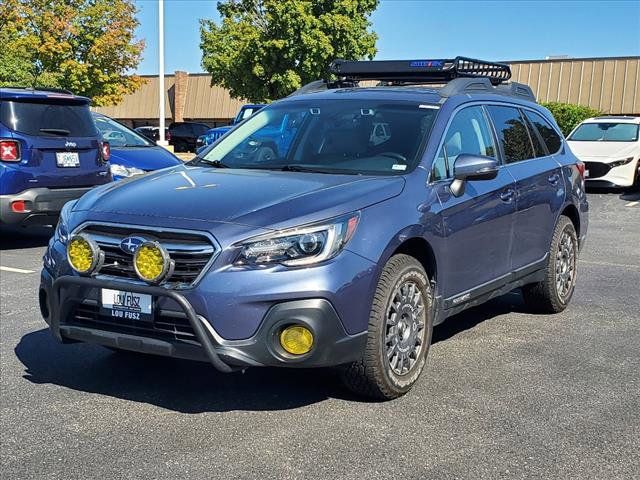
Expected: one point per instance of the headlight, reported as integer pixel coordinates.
(62, 229)
(122, 171)
(619, 163)
(300, 246)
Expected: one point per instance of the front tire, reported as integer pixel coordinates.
(399, 334)
(552, 295)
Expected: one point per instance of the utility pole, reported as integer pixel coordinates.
(161, 90)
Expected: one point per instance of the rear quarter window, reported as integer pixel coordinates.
(49, 119)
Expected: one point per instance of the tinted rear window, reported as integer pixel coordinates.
(512, 133)
(547, 132)
(48, 119)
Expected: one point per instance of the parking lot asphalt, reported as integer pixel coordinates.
(505, 394)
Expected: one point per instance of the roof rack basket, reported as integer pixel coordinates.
(419, 71)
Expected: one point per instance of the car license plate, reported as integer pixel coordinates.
(67, 159)
(126, 305)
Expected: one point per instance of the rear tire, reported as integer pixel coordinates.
(399, 334)
(552, 295)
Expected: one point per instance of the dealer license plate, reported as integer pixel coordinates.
(127, 305)
(67, 159)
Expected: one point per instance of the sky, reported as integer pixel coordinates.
(407, 29)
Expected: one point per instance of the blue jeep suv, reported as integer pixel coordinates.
(50, 153)
(343, 247)
(214, 134)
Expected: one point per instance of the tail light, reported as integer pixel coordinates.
(581, 168)
(9, 151)
(105, 151)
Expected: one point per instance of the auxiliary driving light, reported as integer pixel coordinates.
(83, 254)
(296, 340)
(152, 262)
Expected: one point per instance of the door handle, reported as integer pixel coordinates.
(553, 179)
(507, 195)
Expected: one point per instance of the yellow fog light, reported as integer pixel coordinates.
(83, 254)
(296, 339)
(152, 262)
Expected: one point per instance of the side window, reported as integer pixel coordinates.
(468, 133)
(512, 133)
(548, 134)
(539, 150)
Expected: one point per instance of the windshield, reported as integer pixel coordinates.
(346, 136)
(54, 118)
(605, 132)
(118, 135)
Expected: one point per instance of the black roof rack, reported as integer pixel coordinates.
(419, 71)
(460, 75)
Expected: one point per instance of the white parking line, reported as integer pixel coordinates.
(632, 204)
(15, 270)
(608, 264)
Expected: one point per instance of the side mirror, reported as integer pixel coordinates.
(472, 167)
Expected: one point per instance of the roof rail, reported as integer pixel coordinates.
(419, 71)
(616, 117)
(459, 86)
(41, 89)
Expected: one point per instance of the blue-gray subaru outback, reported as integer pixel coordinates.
(335, 227)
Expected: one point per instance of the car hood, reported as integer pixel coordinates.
(257, 198)
(224, 129)
(144, 158)
(606, 150)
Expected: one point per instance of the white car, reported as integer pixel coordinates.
(610, 150)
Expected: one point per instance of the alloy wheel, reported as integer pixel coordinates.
(405, 327)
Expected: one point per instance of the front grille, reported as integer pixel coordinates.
(597, 169)
(191, 252)
(166, 325)
(215, 136)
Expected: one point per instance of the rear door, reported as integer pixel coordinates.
(478, 226)
(60, 143)
(539, 182)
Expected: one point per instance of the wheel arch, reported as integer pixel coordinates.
(570, 211)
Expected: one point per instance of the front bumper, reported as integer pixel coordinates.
(61, 298)
(43, 205)
(601, 174)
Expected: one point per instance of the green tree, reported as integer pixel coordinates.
(569, 115)
(263, 50)
(86, 46)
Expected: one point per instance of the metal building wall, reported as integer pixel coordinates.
(610, 85)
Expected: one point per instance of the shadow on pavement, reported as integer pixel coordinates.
(510, 303)
(179, 385)
(16, 238)
(195, 387)
(630, 196)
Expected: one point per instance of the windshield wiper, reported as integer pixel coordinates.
(197, 160)
(305, 168)
(55, 131)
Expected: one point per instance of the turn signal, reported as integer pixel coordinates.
(296, 340)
